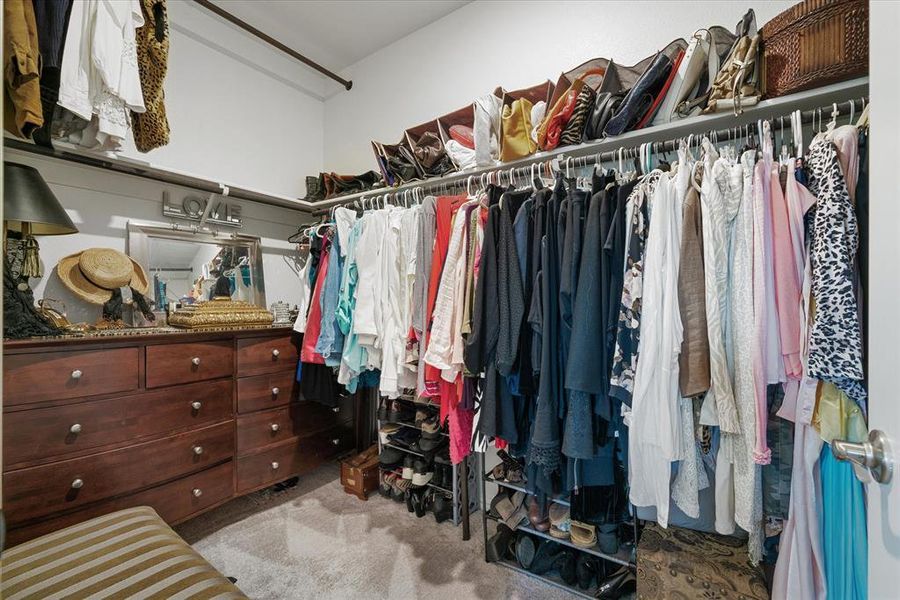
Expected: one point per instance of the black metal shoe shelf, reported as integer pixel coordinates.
(456, 493)
(624, 557)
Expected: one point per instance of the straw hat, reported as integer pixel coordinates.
(94, 273)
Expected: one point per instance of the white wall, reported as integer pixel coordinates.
(448, 63)
(101, 203)
(240, 111)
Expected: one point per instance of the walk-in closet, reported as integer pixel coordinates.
(450, 299)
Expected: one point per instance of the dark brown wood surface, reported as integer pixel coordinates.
(46, 433)
(258, 392)
(275, 464)
(174, 501)
(266, 355)
(30, 378)
(170, 364)
(264, 428)
(39, 491)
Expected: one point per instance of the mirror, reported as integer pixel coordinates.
(184, 265)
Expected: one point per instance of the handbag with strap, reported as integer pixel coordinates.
(561, 111)
(605, 106)
(640, 99)
(737, 83)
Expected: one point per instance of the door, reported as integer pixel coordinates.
(884, 293)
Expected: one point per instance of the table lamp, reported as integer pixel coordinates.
(29, 207)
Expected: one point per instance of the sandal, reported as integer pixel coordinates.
(560, 523)
(584, 535)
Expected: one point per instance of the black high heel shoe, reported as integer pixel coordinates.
(621, 582)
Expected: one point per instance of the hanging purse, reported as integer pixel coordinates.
(430, 154)
(574, 130)
(561, 111)
(689, 91)
(737, 83)
(515, 131)
(639, 101)
(605, 106)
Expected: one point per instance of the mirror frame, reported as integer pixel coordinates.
(138, 247)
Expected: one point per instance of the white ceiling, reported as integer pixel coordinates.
(338, 33)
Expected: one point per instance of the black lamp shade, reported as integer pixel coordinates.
(28, 199)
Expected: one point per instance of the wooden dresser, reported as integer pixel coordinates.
(181, 422)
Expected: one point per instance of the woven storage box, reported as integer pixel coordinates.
(681, 563)
(815, 43)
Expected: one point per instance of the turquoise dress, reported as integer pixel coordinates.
(844, 536)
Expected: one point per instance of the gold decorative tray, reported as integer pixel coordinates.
(220, 312)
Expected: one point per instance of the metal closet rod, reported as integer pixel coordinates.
(273, 42)
(461, 180)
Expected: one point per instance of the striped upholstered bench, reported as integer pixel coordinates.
(126, 554)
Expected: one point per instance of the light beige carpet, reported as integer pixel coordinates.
(315, 541)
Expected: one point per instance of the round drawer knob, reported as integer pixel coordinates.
(196, 404)
(275, 391)
(76, 374)
(195, 361)
(197, 492)
(76, 428)
(198, 449)
(335, 442)
(336, 409)
(274, 465)
(275, 353)
(77, 484)
(274, 426)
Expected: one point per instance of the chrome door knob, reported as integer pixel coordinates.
(275, 391)
(274, 426)
(873, 455)
(336, 409)
(76, 374)
(196, 404)
(197, 492)
(335, 442)
(274, 465)
(275, 353)
(195, 361)
(77, 483)
(76, 428)
(198, 450)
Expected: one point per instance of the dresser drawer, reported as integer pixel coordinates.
(174, 501)
(38, 491)
(170, 364)
(266, 355)
(312, 416)
(39, 377)
(266, 391)
(276, 464)
(264, 428)
(329, 443)
(46, 433)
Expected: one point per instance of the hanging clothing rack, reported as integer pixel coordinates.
(665, 137)
(273, 42)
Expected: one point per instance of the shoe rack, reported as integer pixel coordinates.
(624, 557)
(456, 491)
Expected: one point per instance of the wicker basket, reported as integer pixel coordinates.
(815, 43)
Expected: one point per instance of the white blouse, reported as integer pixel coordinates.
(99, 79)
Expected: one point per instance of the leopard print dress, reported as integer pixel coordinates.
(151, 128)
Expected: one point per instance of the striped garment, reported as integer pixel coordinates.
(126, 554)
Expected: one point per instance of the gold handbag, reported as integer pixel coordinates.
(515, 131)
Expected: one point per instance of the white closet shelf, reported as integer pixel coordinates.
(838, 92)
(852, 89)
(139, 168)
